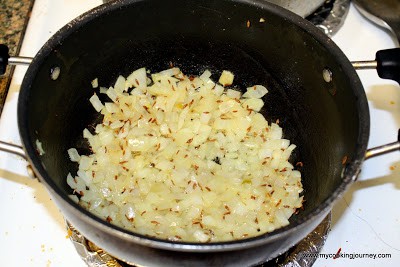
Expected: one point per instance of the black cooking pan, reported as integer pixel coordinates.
(314, 91)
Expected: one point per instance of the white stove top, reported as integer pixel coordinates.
(366, 220)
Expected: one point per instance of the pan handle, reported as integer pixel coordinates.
(13, 149)
(381, 150)
(386, 63)
(6, 60)
(18, 151)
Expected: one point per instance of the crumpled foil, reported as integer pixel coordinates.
(298, 256)
(94, 256)
(330, 16)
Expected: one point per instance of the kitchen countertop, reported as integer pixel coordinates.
(14, 16)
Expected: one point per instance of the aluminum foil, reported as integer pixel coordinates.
(298, 256)
(330, 17)
(94, 256)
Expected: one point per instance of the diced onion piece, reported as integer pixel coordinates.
(112, 94)
(205, 76)
(233, 93)
(98, 106)
(129, 211)
(87, 134)
(157, 89)
(39, 147)
(202, 136)
(137, 79)
(218, 90)
(226, 78)
(55, 73)
(111, 107)
(103, 90)
(164, 129)
(83, 175)
(116, 124)
(226, 106)
(85, 162)
(73, 155)
(71, 181)
(275, 131)
(201, 236)
(119, 85)
(256, 91)
(253, 103)
(95, 83)
(170, 72)
(205, 117)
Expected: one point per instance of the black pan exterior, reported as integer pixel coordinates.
(327, 121)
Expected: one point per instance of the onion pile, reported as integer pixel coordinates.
(185, 158)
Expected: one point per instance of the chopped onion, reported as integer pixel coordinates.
(186, 159)
(112, 94)
(170, 72)
(226, 78)
(103, 90)
(95, 83)
(98, 106)
(39, 147)
(218, 90)
(85, 162)
(233, 93)
(256, 91)
(205, 77)
(73, 155)
(253, 104)
(137, 79)
(119, 85)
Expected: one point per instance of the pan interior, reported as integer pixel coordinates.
(321, 118)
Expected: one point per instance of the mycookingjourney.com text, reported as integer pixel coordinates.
(343, 255)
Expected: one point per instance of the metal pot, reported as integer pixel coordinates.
(314, 92)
